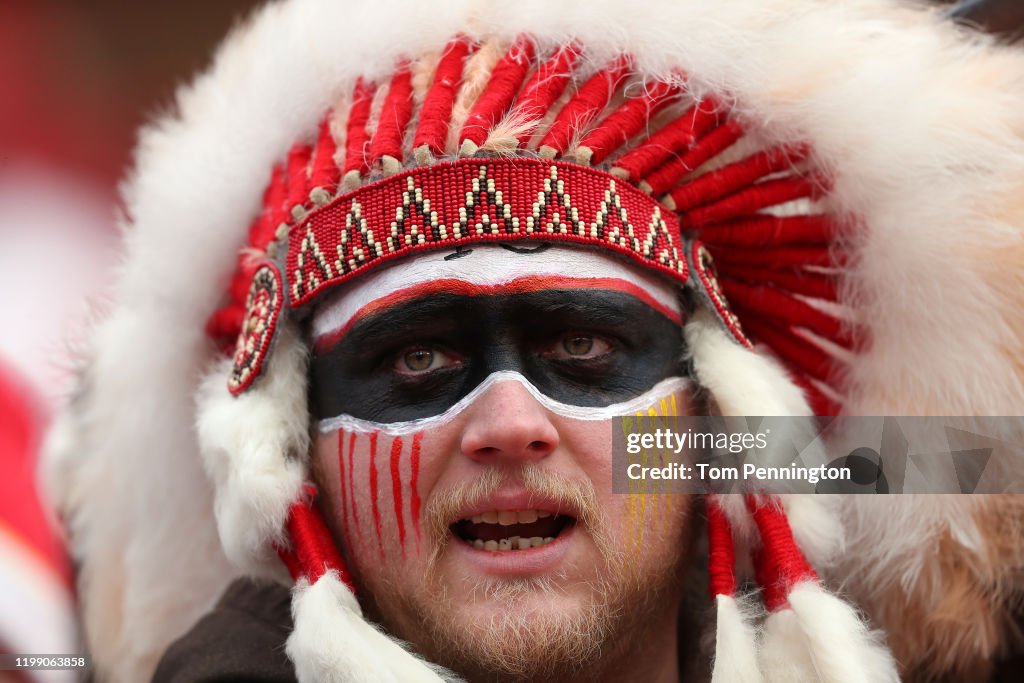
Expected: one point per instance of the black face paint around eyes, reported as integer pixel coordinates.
(488, 334)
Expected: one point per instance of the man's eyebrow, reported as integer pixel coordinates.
(609, 307)
(383, 326)
(439, 312)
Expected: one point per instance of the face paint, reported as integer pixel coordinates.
(474, 395)
(416, 352)
(660, 392)
(370, 484)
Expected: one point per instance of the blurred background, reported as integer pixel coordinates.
(77, 80)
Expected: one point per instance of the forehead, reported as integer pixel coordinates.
(490, 269)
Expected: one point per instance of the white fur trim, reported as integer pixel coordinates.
(839, 642)
(254, 447)
(735, 644)
(784, 654)
(332, 643)
(742, 382)
(816, 525)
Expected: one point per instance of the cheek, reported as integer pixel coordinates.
(647, 517)
(375, 486)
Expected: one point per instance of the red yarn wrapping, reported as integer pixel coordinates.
(298, 174)
(786, 258)
(780, 564)
(545, 86)
(663, 178)
(325, 171)
(747, 202)
(394, 117)
(804, 356)
(275, 208)
(436, 111)
(721, 553)
(313, 551)
(585, 105)
(773, 593)
(224, 325)
(356, 135)
(506, 79)
(766, 230)
(814, 285)
(819, 402)
(785, 308)
(626, 121)
(291, 561)
(675, 136)
(732, 177)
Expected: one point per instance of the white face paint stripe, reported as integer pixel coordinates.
(489, 267)
(660, 390)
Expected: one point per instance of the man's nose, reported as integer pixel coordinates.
(507, 424)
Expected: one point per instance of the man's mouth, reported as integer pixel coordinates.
(511, 530)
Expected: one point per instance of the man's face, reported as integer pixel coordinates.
(464, 457)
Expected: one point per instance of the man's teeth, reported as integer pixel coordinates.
(509, 517)
(514, 543)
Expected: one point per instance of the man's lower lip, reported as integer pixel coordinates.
(537, 560)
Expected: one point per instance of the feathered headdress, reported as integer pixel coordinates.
(853, 173)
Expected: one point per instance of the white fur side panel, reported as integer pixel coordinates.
(332, 643)
(138, 507)
(784, 654)
(255, 447)
(842, 647)
(742, 382)
(735, 644)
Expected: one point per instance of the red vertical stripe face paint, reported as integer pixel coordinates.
(396, 488)
(374, 496)
(345, 496)
(414, 483)
(364, 483)
(351, 477)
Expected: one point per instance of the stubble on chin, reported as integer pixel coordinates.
(512, 643)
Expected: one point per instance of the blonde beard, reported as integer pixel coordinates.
(591, 640)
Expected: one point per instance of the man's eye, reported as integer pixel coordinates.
(421, 359)
(577, 345)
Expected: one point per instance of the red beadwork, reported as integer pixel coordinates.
(478, 200)
(704, 265)
(263, 310)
